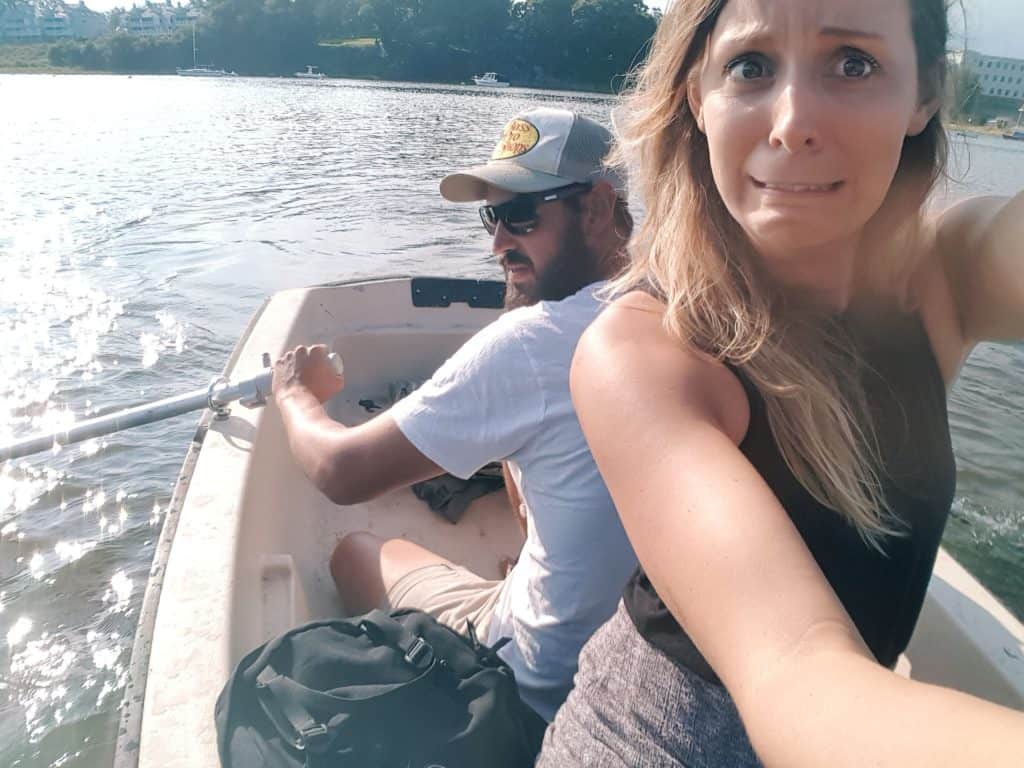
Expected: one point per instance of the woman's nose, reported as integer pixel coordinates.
(795, 119)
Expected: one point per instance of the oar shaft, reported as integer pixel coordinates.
(250, 391)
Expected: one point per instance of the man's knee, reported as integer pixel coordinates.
(353, 555)
(365, 567)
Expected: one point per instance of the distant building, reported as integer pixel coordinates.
(19, 22)
(153, 19)
(49, 20)
(998, 76)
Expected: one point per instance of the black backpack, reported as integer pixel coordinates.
(396, 690)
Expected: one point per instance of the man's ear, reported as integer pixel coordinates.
(598, 208)
(695, 101)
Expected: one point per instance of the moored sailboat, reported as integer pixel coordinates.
(201, 71)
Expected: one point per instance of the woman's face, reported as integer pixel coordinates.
(805, 105)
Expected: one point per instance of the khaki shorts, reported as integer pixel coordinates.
(450, 593)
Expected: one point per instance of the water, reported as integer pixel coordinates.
(143, 220)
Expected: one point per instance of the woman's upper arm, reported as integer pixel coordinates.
(664, 426)
(981, 246)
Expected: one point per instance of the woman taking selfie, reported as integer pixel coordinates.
(766, 399)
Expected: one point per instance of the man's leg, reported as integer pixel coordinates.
(365, 567)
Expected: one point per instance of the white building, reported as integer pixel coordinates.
(155, 19)
(19, 22)
(998, 76)
(52, 20)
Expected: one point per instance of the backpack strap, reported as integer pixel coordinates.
(384, 630)
(292, 720)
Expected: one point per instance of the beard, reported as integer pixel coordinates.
(572, 268)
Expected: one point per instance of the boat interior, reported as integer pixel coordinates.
(251, 535)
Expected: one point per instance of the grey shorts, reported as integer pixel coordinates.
(634, 707)
(450, 593)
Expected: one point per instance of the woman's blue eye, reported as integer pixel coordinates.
(856, 66)
(748, 68)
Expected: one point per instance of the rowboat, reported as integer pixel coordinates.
(244, 550)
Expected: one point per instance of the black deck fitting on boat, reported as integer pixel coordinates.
(445, 291)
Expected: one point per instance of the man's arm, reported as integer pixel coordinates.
(348, 465)
(514, 498)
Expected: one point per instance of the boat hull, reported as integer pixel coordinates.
(490, 80)
(205, 73)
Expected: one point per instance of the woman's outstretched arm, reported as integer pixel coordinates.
(981, 243)
(664, 426)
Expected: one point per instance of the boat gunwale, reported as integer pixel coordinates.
(129, 732)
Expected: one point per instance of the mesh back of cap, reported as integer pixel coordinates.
(586, 146)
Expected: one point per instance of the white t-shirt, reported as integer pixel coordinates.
(504, 395)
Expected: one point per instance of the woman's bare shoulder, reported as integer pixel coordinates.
(629, 352)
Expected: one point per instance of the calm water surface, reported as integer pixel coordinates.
(143, 220)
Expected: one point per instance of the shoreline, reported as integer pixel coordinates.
(6, 70)
(969, 129)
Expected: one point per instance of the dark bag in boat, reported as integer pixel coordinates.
(396, 690)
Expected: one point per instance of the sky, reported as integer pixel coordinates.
(995, 27)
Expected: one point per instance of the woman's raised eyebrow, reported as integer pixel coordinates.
(757, 35)
(847, 32)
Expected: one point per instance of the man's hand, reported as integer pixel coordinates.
(307, 369)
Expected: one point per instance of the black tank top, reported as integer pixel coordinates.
(882, 593)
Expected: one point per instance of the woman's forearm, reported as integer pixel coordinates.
(842, 709)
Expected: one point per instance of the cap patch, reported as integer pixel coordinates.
(518, 138)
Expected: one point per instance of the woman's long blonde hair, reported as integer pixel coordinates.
(694, 256)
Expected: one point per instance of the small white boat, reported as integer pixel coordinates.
(311, 73)
(1017, 134)
(243, 554)
(492, 80)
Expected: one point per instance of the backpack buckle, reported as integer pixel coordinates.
(420, 653)
(314, 738)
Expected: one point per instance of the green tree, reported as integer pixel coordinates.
(609, 38)
(964, 92)
(566, 43)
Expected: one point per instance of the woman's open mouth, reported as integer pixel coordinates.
(796, 188)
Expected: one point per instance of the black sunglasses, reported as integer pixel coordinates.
(519, 215)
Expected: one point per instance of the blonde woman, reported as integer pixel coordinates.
(767, 400)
